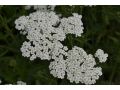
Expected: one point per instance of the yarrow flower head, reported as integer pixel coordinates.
(101, 55)
(45, 32)
(43, 35)
(78, 66)
(58, 67)
(72, 25)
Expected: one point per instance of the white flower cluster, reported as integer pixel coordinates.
(43, 35)
(45, 32)
(72, 25)
(41, 7)
(78, 66)
(58, 67)
(21, 83)
(101, 55)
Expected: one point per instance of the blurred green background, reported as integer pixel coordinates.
(101, 30)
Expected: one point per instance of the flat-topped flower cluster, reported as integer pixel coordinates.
(45, 32)
(43, 37)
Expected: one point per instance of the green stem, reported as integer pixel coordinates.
(113, 73)
(3, 53)
(9, 31)
(70, 41)
(8, 48)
